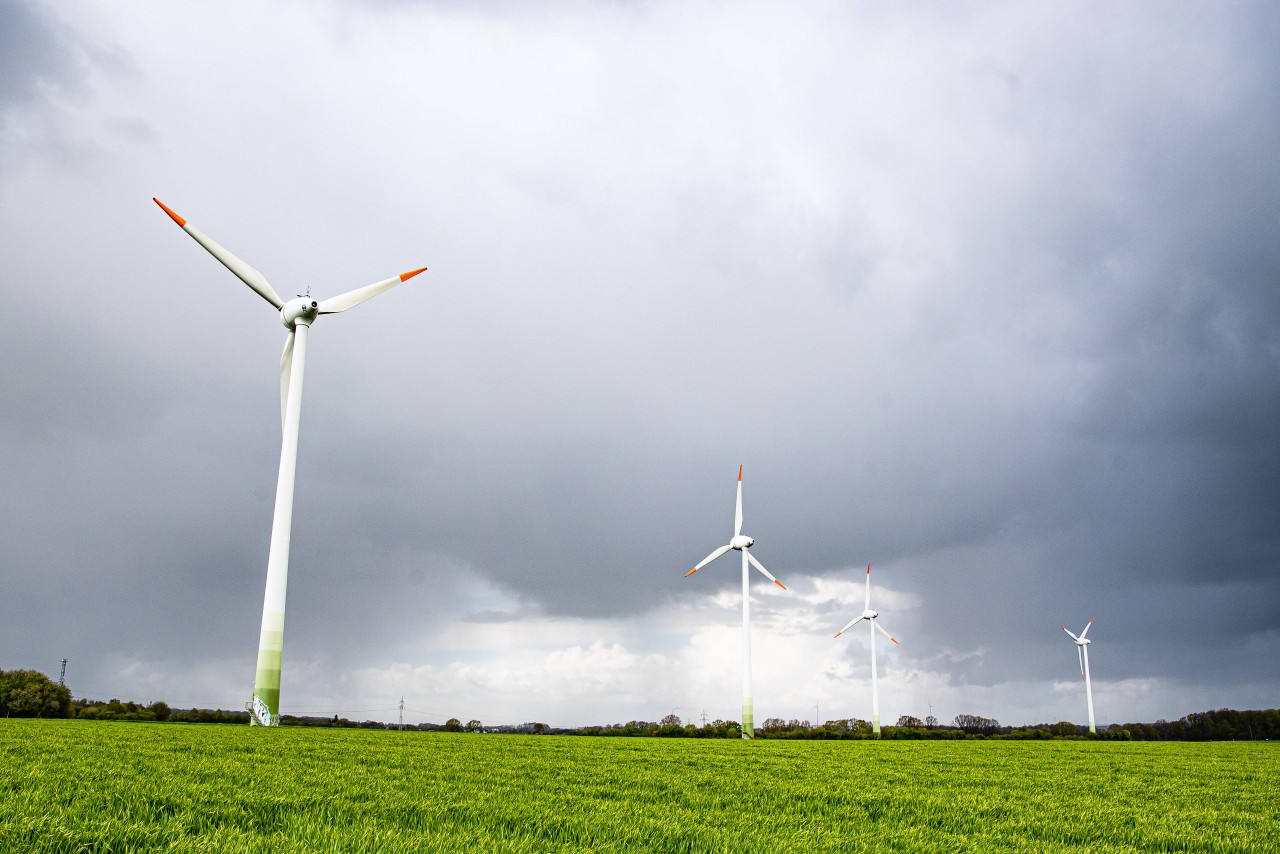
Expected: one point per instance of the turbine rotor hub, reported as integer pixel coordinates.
(742, 541)
(299, 310)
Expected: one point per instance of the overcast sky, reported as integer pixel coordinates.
(987, 296)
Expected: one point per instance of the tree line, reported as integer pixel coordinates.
(31, 694)
(1219, 725)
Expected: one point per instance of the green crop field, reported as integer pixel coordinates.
(116, 787)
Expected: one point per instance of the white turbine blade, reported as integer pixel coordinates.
(1068, 631)
(351, 299)
(246, 274)
(760, 566)
(852, 622)
(706, 560)
(737, 516)
(1086, 628)
(286, 370)
(866, 603)
(1080, 650)
(884, 631)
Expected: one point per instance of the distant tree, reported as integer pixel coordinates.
(474, 725)
(909, 720)
(1027, 733)
(1062, 728)
(208, 716)
(453, 725)
(977, 724)
(774, 724)
(670, 720)
(31, 694)
(160, 709)
(930, 721)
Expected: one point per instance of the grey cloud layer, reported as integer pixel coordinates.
(987, 299)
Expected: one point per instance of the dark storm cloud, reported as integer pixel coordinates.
(1145, 464)
(37, 54)
(986, 298)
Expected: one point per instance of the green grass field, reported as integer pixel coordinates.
(81, 786)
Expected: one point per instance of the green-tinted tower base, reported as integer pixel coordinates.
(265, 708)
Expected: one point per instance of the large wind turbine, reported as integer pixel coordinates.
(1082, 648)
(742, 542)
(297, 315)
(872, 627)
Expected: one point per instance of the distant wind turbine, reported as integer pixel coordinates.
(742, 542)
(1082, 648)
(297, 315)
(872, 627)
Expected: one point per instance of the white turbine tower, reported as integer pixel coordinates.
(742, 542)
(872, 627)
(1082, 648)
(297, 315)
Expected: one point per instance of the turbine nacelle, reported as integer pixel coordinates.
(870, 614)
(299, 310)
(742, 541)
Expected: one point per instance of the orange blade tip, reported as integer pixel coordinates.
(739, 474)
(179, 220)
(838, 634)
(868, 569)
(895, 640)
(780, 584)
(404, 277)
(690, 572)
